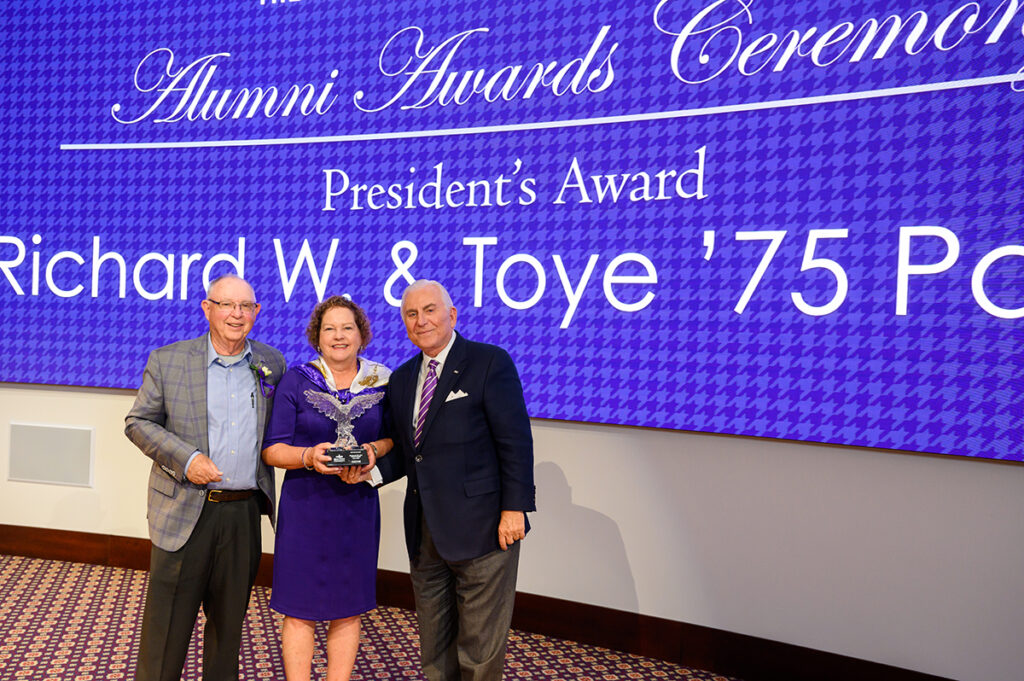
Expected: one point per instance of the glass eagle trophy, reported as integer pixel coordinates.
(346, 451)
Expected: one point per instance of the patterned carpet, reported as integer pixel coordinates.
(71, 621)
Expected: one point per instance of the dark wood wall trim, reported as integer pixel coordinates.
(75, 547)
(96, 549)
(723, 652)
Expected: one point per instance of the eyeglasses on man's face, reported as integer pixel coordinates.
(229, 306)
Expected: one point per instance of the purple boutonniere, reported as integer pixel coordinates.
(263, 374)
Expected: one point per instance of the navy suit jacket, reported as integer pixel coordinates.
(476, 456)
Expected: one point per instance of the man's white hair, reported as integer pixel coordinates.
(424, 283)
(226, 277)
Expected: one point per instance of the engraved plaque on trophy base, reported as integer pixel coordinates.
(347, 456)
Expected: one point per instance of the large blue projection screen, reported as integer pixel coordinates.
(781, 219)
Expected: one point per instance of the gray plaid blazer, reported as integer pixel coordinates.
(169, 421)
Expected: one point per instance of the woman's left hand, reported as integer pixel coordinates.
(371, 455)
(355, 474)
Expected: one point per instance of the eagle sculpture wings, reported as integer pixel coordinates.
(343, 414)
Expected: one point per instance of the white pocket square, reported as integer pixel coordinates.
(455, 395)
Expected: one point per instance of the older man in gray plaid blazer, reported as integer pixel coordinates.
(200, 415)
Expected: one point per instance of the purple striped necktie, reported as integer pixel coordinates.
(429, 383)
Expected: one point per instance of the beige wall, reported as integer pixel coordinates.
(907, 560)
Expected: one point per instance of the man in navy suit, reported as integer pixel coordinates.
(463, 439)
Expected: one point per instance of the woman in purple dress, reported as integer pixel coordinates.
(328, 532)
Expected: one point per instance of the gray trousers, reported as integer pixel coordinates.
(464, 610)
(215, 568)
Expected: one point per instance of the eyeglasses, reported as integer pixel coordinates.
(228, 306)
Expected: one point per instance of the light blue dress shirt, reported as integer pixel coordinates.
(231, 394)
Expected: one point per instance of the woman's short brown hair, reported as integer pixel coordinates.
(317, 318)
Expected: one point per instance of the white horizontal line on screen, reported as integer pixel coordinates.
(551, 125)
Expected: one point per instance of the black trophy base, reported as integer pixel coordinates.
(347, 456)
